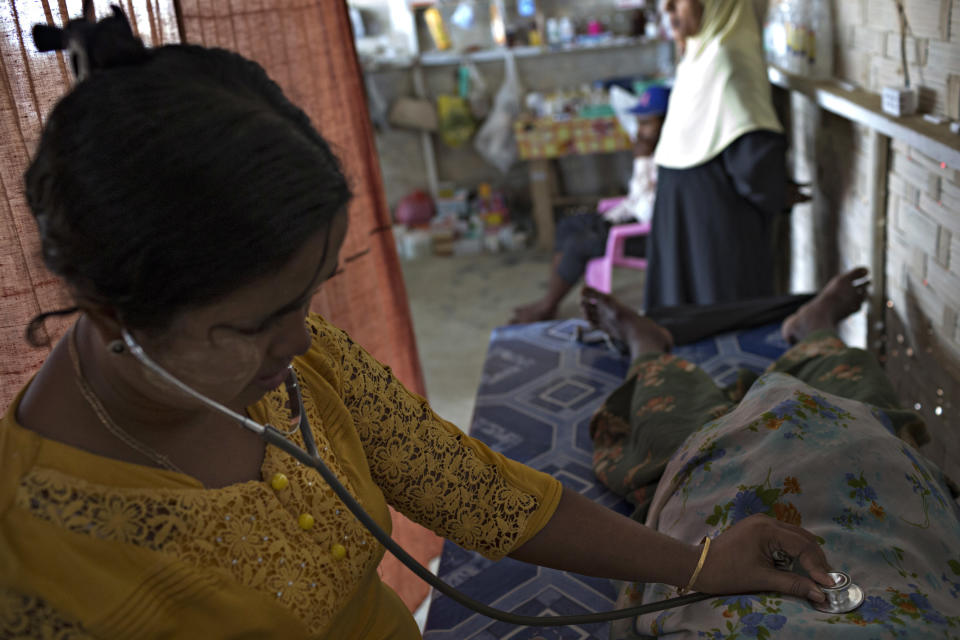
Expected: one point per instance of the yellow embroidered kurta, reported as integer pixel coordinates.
(91, 546)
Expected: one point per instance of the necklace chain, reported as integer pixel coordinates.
(111, 426)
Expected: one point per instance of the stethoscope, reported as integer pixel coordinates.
(844, 596)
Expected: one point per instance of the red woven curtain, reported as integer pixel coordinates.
(32, 83)
(307, 47)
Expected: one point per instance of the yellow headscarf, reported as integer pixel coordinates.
(721, 89)
(724, 19)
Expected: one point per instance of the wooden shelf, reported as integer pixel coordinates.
(436, 58)
(863, 107)
(444, 58)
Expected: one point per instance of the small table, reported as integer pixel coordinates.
(543, 140)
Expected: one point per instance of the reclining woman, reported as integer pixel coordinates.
(189, 206)
(819, 440)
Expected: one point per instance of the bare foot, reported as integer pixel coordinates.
(641, 334)
(842, 296)
(534, 312)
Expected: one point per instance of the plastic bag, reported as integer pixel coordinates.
(456, 123)
(622, 101)
(495, 140)
(378, 106)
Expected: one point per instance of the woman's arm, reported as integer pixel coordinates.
(430, 470)
(756, 163)
(588, 538)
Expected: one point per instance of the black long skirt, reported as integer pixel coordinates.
(712, 225)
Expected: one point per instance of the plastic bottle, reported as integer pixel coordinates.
(792, 31)
(566, 31)
(810, 39)
(533, 35)
(553, 31)
(441, 40)
(775, 37)
(822, 28)
(651, 27)
(798, 36)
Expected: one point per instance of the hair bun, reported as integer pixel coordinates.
(93, 46)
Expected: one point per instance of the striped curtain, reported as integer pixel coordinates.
(307, 48)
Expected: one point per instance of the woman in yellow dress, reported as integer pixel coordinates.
(182, 198)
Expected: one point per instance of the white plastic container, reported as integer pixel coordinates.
(798, 37)
(899, 101)
(775, 36)
(468, 246)
(567, 32)
(414, 243)
(821, 31)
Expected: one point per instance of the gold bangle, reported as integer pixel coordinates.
(696, 572)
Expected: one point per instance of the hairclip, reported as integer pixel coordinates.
(92, 45)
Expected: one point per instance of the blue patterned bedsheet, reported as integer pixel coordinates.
(538, 391)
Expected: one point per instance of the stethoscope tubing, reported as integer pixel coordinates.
(311, 458)
(274, 437)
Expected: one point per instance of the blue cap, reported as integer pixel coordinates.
(652, 102)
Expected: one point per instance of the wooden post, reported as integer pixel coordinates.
(879, 179)
(541, 192)
(426, 139)
(782, 232)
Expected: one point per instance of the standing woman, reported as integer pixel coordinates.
(721, 162)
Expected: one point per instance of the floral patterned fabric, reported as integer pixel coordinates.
(641, 424)
(795, 449)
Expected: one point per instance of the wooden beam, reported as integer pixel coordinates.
(864, 107)
(879, 177)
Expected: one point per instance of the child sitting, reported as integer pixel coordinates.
(582, 237)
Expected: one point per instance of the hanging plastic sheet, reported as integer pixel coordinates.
(495, 140)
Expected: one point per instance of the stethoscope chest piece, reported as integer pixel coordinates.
(842, 597)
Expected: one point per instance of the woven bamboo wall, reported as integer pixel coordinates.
(917, 331)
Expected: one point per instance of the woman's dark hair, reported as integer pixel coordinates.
(173, 176)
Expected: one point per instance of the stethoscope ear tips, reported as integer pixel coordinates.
(117, 347)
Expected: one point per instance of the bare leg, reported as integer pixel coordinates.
(546, 307)
(842, 297)
(641, 334)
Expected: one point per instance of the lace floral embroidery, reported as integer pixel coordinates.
(426, 470)
(249, 531)
(23, 617)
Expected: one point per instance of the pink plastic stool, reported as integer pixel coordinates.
(599, 273)
(608, 203)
